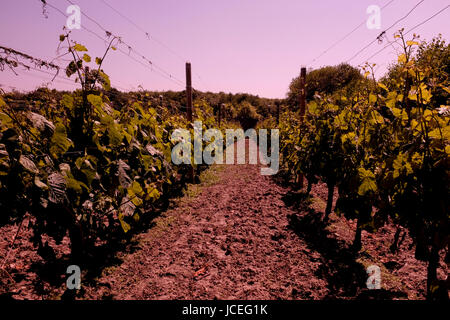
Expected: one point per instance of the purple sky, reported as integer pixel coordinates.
(254, 46)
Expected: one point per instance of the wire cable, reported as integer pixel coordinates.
(409, 31)
(384, 32)
(151, 37)
(344, 37)
(130, 48)
(156, 68)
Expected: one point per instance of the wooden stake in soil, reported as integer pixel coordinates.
(220, 112)
(302, 104)
(189, 91)
(278, 112)
(189, 105)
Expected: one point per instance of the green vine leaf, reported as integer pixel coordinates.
(125, 226)
(368, 183)
(60, 143)
(86, 58)
(135, 192)
(79, 47)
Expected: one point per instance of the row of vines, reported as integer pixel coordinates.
(84, 167)
(386, 148)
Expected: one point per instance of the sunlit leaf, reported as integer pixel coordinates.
(60, 143)
(402, 58)
(79, 47)
(367, 182)
(86, 58)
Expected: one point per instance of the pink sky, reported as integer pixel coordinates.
(253, 46)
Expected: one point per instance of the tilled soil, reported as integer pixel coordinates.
(241, 235)
(230, 242)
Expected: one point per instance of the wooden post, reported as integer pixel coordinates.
(220, 113)
(278, 112)
(302, 104)
(189, 106)
(189, 91)
(302, 93)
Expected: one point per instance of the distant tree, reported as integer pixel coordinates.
(325, 80)
(247, 115)
(117, 98)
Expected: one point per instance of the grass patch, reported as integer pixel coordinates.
(388, 280)
(211, 176)
(208, 178)
(318, 204)
(161, 225)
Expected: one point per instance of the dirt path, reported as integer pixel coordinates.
(230, 241)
